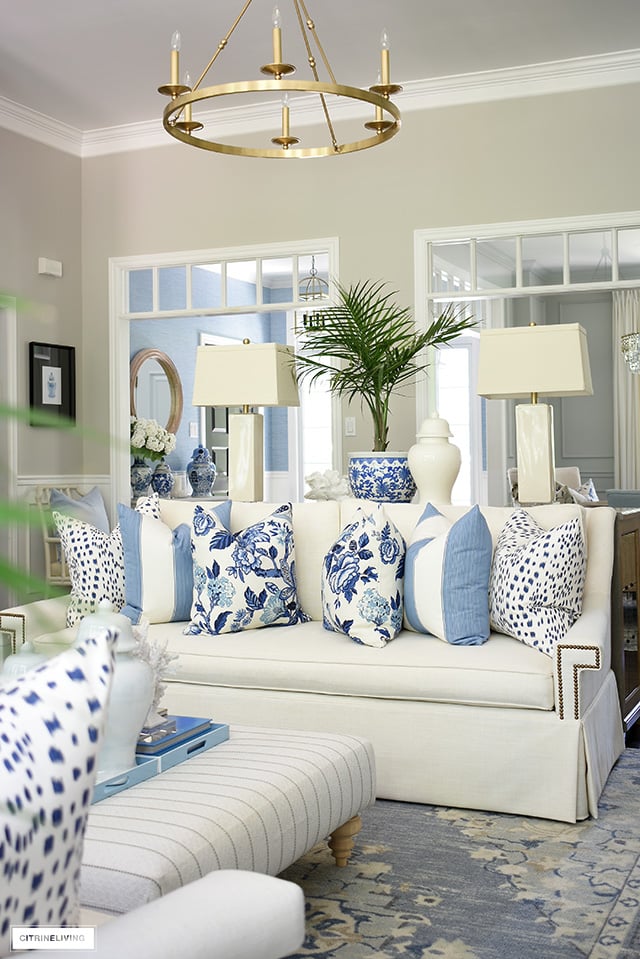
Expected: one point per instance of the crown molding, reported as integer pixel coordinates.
(538, 79)
(558, 76)
(37, 126)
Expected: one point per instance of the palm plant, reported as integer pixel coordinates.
(368, 347)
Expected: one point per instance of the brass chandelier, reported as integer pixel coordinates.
(178, 119)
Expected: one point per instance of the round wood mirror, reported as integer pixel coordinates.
(154, 359)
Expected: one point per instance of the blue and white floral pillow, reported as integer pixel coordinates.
(537, 580)
(243, 580)
(362, 580)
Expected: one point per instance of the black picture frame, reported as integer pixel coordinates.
(52, 381)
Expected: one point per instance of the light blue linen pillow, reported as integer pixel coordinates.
(243, 580)
(158, 568)
(446, 589)
(362, 580)
(89, 508)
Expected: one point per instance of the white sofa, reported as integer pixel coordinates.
(500, 726)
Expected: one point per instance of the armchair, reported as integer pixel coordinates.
(229, 914)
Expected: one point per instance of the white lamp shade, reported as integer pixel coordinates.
(246, 374)
(520, 360)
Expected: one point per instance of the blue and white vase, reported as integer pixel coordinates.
(162, 480)
(141, 474)
(383, 477)
(201, 472)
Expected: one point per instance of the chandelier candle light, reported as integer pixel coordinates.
(178, 117)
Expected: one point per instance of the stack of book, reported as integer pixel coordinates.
(174, 731)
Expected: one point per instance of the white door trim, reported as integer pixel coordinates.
(9, 544)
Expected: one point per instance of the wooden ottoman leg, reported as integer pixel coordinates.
(341, 840)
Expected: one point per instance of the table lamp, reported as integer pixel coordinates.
(549, 360)
(245, 375)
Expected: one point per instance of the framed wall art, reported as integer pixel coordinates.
(52, 380)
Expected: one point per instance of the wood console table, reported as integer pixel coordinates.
(625, 657)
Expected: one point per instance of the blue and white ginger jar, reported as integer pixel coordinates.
(162, 480)
(141, 474)
(201, 472)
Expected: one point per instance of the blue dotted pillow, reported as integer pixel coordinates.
(362, 580)
(537, 580)
(51, 722)
(243, 580)
(96, 561)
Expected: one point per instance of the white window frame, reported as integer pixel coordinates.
(119, 318)
(427, 299)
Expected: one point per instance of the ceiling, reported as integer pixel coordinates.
(94, 65)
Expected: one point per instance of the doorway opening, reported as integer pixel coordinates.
(540, 271)
(169, 301)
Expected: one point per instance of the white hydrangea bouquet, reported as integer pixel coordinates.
(149, 440)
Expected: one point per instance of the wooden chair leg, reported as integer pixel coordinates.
(341, 840)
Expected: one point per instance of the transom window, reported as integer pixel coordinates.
(533, 258)
(226, 285)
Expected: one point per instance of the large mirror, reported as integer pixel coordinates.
(155, 390)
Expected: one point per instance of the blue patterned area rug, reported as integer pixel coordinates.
(429, 881)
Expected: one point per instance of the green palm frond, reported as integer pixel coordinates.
(22, 582)
(368, 347)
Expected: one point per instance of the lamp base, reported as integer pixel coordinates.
(246, 457)
(535, 453)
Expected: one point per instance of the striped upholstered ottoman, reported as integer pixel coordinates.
(258, 801)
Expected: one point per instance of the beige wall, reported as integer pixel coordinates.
(550, 156)
(532, 158)
(40, 216)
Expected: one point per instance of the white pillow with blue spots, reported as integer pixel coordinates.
(537, 580)
(446, 583)
(96, 561)
(243, 580)
(51, 722)
(362, 580)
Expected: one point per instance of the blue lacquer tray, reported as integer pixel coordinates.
(149, 766)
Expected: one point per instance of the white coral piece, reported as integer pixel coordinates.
(160, 661)
(327, 485)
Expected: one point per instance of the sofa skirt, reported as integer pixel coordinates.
(525, 762)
